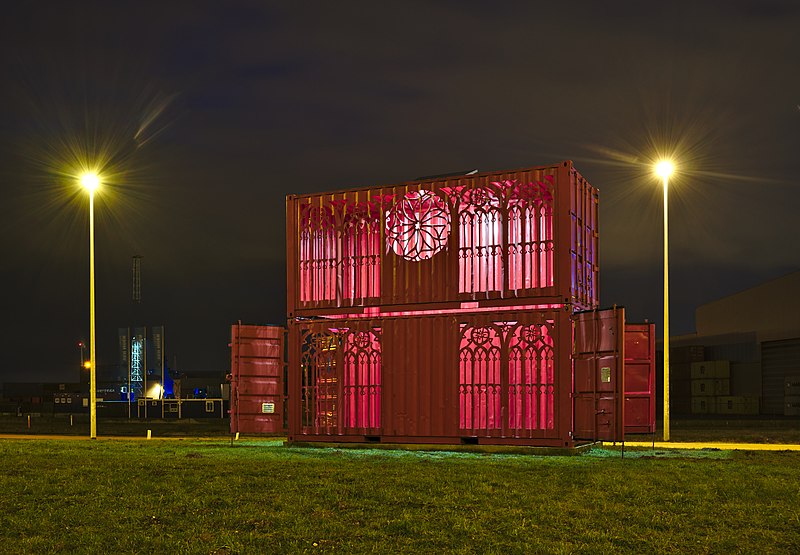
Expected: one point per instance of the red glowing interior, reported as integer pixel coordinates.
(345, 401)
(505, 239)
(524, 354)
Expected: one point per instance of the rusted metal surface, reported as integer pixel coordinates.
(598, 352)
(640, 378)
(493, 238)
(257, 379)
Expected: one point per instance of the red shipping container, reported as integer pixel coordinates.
(483, 378)
(257, 379)
(501, 238)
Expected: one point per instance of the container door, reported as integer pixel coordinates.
(257, 377)
(598, 380)
(640, 378)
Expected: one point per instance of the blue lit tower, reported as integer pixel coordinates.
(138, 362)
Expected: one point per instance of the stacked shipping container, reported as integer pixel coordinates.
(440, 310)
(711, 390)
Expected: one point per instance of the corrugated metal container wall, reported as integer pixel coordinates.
(257, 379)
(493, 239)
(489, 378)
(640, 378)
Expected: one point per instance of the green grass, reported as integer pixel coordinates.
(206, 496)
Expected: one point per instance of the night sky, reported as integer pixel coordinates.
(204, 115)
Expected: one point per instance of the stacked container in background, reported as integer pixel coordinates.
(711, 388)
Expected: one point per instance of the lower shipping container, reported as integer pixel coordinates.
(474, 378)
(711, 387)
(704, 405)
(737, 405)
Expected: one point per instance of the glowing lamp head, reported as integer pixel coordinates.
(90, 181)
(87, 364)
(664, 169)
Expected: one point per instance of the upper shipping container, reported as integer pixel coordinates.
(494, 239)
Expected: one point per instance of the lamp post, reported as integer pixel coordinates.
(90, 182)
(664, 169)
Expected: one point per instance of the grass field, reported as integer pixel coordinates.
(256, 496)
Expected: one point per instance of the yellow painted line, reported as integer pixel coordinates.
(712, 445)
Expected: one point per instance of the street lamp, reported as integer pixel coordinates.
(664, 169)
(91, 181)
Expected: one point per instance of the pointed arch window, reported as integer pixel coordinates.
(339, 251)
(480, 249)
(531, 235)
(318, 253)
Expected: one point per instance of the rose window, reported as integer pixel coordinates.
(417, 227)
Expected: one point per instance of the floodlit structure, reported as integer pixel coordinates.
(142, 364)
(458, 309)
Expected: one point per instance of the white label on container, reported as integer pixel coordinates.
(267, 408)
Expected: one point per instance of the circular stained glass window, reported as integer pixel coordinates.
(417, 226)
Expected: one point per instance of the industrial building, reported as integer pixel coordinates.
(745, 357)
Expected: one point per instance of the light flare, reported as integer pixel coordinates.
(90, 181)
(664, 169)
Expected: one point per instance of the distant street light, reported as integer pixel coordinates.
(82, 346)
(664, 169)
(91, 181)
